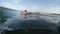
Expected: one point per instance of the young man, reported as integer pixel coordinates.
(26, 14)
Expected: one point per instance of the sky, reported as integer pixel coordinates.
(48, 6)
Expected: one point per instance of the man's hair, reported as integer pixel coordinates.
(25, 10)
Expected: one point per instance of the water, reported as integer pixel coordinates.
(10, 14)
(7, 13)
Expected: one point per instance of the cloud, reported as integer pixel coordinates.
(52, 10)
(19, 5)
(13, 4)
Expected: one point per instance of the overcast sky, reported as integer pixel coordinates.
(51, 6)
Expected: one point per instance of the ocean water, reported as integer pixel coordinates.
(9, 15)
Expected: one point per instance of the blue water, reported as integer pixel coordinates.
(13, 16)
(8, 14)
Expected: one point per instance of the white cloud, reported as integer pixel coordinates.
(15, 4)
(52, 10)
(17, 7)
(11, 1)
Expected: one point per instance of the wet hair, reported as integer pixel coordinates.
(25, 10)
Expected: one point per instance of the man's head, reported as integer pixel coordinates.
(25, 10)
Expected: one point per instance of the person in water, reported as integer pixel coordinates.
(37, 15)
(26, 14)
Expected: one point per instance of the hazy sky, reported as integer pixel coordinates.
(37, 5)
